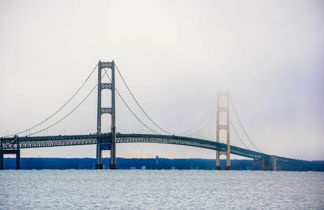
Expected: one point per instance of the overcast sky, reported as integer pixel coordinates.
(175, 56)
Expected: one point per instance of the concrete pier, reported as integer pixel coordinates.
(18, 159)
(269, 163)
(1, 160)
(273, 163)
(15, 152)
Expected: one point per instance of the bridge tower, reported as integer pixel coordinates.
(105, 110)
(221, 125)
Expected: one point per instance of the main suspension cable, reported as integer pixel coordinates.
(237, 134)
(68, 114)
(235, 130)
(49, 117)
(128, 107)
(200, 123)
(239, 120)
(139, 105)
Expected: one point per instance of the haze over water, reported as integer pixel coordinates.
(175, 57)
(139, 189)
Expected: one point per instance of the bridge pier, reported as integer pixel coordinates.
(99, 157)
(18, 159)
(269, 163)
(262, 164)
(218, 164)
(113, 164)
(227, 167)
(99, 166)
(273, 163)
(15, 152)
(1, 160)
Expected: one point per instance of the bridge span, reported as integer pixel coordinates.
(14, 144)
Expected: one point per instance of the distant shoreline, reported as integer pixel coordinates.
(151, 164)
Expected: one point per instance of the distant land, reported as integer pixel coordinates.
(152, 164)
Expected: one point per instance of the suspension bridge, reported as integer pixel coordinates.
(37, 135)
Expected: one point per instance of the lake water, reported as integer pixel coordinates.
(140, 189)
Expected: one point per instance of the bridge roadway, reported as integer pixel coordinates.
(7, 144)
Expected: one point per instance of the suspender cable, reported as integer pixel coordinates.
(139, 105)
(49, 117)
(128, 107)
(68, 114)
(237, 134)
(237, 116)
(134, 113)
(235, 130)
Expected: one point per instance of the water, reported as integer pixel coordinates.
(140, 189)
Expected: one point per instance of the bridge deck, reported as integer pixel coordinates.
(73, 140)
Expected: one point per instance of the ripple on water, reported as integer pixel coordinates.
(140, 189)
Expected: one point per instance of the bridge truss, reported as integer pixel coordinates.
(15, 143)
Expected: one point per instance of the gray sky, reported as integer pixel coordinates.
(175, 56)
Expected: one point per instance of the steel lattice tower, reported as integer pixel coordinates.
(223, 107)
(103, 110)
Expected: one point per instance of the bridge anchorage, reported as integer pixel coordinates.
(108, 141)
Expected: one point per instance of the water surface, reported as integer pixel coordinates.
(172, 189)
